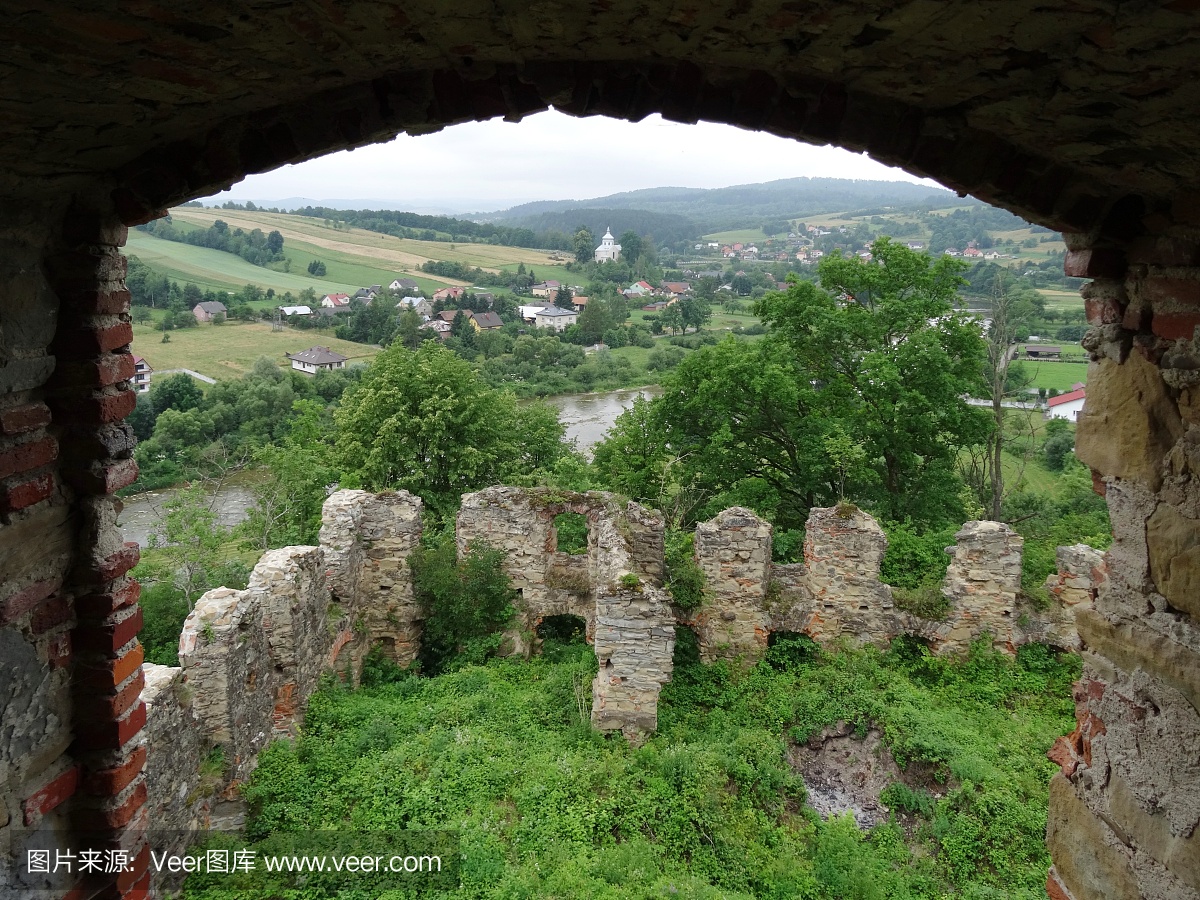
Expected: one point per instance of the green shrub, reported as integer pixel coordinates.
(685, 579)
(914, 557)
(466, 603)
(926, 601)
(164, 609)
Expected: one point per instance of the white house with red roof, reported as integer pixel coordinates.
(335, 301)
(141, 375)
(1065, 406)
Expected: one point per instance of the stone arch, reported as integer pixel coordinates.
(1080, 118)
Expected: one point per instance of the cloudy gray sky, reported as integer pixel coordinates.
(482, 166)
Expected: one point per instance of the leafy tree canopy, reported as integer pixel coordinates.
(423, 421)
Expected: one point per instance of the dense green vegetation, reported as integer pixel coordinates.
(253, 246)
(853, 393)
(708, 807)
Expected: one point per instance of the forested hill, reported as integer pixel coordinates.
(666, 228)
(744, 205)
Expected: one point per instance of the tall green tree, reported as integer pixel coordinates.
(584, 244)
(894, 356)
(424, 421)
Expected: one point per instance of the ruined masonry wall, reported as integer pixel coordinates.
(837, 593)
(1125, 811)
(616, 588)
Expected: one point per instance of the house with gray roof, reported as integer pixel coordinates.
(314, 359)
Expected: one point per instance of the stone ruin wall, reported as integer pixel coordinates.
(250, 659)
(616, 588)
(837, 592)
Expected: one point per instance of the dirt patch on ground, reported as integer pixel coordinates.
(845, 774)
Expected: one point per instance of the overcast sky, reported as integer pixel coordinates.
(482, 166)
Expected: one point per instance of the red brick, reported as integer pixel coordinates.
(112, 735)
(1103, 312)
(133, 884)
(52, 612)
(28, 456)
(104, 479)
(50, 795)
(104, 676)
(1171, 290)
(96, 409)
(96, 302)
(60, 653)
(26, 493)
(1175, 326)
(84, 342)
(1094, 263)
(108, 369)
(1055, 889)
(110, 782)
(118, 816)
(108, 639)
(20, 419)
(1098, 484)
(26, 599)
(113, 567)
(100, 605)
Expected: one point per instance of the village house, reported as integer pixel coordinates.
(205, 310)
(367, 294)
(290, 311)
(553, 317)
(638, 289)
(407, 285)
(420, 304)
(528, 312)
(335, 301)
(579, 302)
(449, 315)
(141, 375)
(608, 249)
(486, 321)
(545, 289)
(676, 288)
(1065, 406)
(440, 327)
(449, 293)
(314, 359)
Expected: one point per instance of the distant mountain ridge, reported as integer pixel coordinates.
(741, 206)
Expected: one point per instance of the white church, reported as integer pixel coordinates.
(607, 249)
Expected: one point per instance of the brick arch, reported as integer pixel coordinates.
(942, 146)
(1079, 117)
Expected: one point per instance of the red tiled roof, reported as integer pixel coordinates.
(1066, 398)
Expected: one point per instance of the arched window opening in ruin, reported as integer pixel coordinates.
(563, 630)
(571, 533)
(1078, 118)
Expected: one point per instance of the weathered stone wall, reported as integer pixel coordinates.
(1125, 812)
(615, 588)
(837, 593)
(367, 539)
(983, 582)
(734, 552)
(71, 749)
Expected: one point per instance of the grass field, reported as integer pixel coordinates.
(381, 250)
(1060, 375)
(1061, 300)
(742, 235)
(230, 350)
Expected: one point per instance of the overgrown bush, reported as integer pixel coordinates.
(685, 579)
(914, 557)
(466, 603)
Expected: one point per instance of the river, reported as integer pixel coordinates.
(586, 416)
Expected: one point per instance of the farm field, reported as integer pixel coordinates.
(1059, 375)
(1061, 300)
(741, 235)
(385, 251)
(230, 350)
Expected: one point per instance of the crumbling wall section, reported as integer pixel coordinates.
(734, 552)
(616, 588)
(982, 584)
(1125, 812)
(177, 747)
